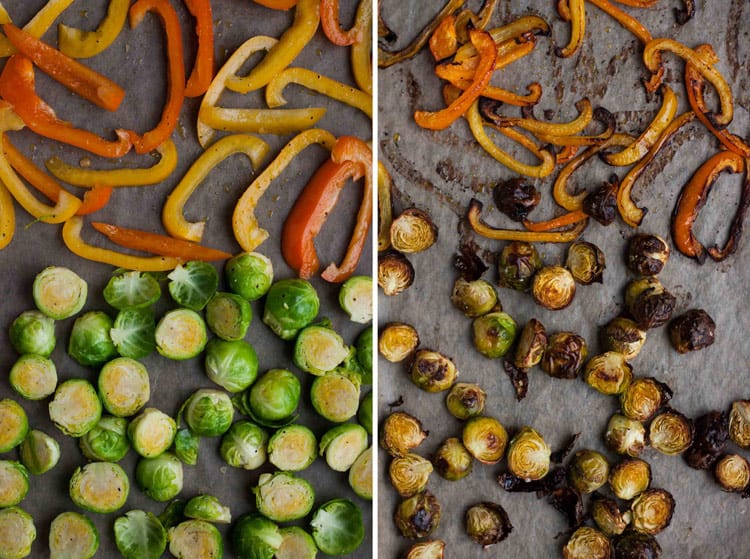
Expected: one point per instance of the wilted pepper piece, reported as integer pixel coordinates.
(647, 254)
(692, 331)
(633, 545)
(395, 273)
(649, 303)
(518, 263)
(553, 287)
(588, 543)
(586, 262)
(487, 523)
(710, 440)
(516, 198)
(564, 355)
(418, 516)
(568, 501)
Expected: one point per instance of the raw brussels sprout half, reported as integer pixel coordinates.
(90, 343)
(39, 452)
(256, 536)
(15, 424)
(33, 377)
(282, 496)
(296, 544)
(342, 445)
(192, 284)
(33, 332)
(249, 274)
(364, 414)
(233, 365)
(75, 408)
(208, 412)
(124, 386)
(355, 298)
(335, 396)
(140, 535)
(72, 536)
(244, 445)
(291, 304)
(274, 397)
(360, 475)
(14, 483)
(364, 354)
(59, 292)
(17, 533)
(181, 334)
(99, 487)
(134, 333)
(292, 448)
(107, 441)
(151, 432)
(195, 539)
(208, 508)
(132, 290)
(228, 316)
(318, 350)
(161, 477)
(337, 527)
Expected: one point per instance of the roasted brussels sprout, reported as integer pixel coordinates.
(75, 408)
(296, 544)
(193, 284)
(355, 298)
(588, 543)
(588, 471)
(608, 517)
(586, 262)
(432, 549)
(452, 461)
(360, 475)
(732, 472)
(647, 254)
(413, 231)
(465, 400)
(90, 343)
(161, 477)
(33, 377)
(564, 355)
(402, 432)
(274, 397)
(629, 478)
(180, 334)
(643, 397)
(364, 413)
(473, 298)
(208, 412)
(140, 535)
(17, 533)
(633, 545)
(132, 290)
(99, 487)
(670, 433)
(517, 265)
(649, 303)
(652, 511)
(335, 396)
(409, 474)
(256, 536)
(15, 424)
(625, 435)
(194, 539)
(739, 423)
(531, 345)
(485, 438)
(553, 287)
(228, 315)
(282, 496)
(608, 373)
(516, 198)
(244, 445)
(337, 527)
(494, 334)
(249, 274)
(39, 452)
(292, 448)
(291, 304)
(623, 336)
(134, 333)
(487, 523)
(432, 371)
(601, 202)
(233, 365)
(709, 440)
(107, 441)
(14, 483)
(342, 445)
(364, 354)
(692, 331)
(72, 536)
(151, 432)
(528, 455)
(395, 273)
(33, 332)
(397, 341)
(59, 292)
(319, 349)
(418, 516)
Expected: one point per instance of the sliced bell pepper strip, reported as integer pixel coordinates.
(624, 19)
(37, 25)
(95, 199)
(514, 30)
(291, 43)
(467, 19)
(329, 22)
(385, 207)
(247, 231)
(176, 93)
(163, 245)
(555, 223)
(78, 78)
(78, 43)
(71, 234)
(261, 121)
(172, 214)
(507, 52)
(585, 110)
(361, 51)
(499, 94)
(577, 29)
(203, 68)
(17, 86)
(444, 40)
(638, 3)
(566, 154)
(277, 4)
(7, 217)
(600, 114)
(4, 16)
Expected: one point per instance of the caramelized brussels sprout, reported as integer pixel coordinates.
(409, 474)
(608, 517)
(395, 273)
(494, 334)
(517, 264)
(418, 516)
(652, 511)
(452, 461)
(588, 543)
(709, 440)
(647, 254)
(516, 198)
(487, 523)
(625, 436)
(564, 355)
(528, 455)
(397, 341)
(473, 298)
(249, 274)
(601, 202)
(643, 397)
(633, 545)
(588, 471)
(608, 373)
(432, 549)
(692, 331)
(739, 423)
(39, 452)
(732, 472)
(531, 345)
(432, 371)
(465, 400)
(553, 287)
(413, 231)
(629, 478)
(649, 303)
(33, 377)
(586, 262)
(623, 336)
(670, 433)
(485, 438)
(15, 424)
(402, 432)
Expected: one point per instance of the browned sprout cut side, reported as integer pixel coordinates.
(692, 331)
(465, 400)
(623, 336)
(643, 397)
(531, 345)
(652, 511)
(452, 461)
(432, 371)
(418, 516)
(634, 545)
(608, 373)
(413, 231)
(564, 355)
(517, 265)
(473, 298)
(529, 455)
(670, 433)
(409, 474)
(732, 473)
(739, 423)
(630, 478)
(588, 471)
(432, 549)
(588, 543)
(709, 440)
(487, 523)
(608, 517)
(398, 341)
(647, 254)
(625, 435)
(586, 262)
(395, 273)
(649, 303)
(553, 287)
(485, 438)
(402, 432)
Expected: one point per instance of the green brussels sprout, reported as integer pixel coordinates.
(337, 527)
(180, 334)
(161, 477)
(99, 487)
(291, 304)
(517, 264)
(296, 544)
(208, 412)
(608, 373)
(75, 408)
(355, 298)
(228, 316)
(39, 452)
(172, 514)
(34, 377)
(342, 444)
(124, 386)
(233, 365)
(282, 496)
(107, 441)
(274, 397)
(364, 353)
(72, 536)
(186, 446)
(15, 424)
(208, 508)
(33, 332)
(607, 516)
(132, 290)
(586, 262)
(134, 333)
(360, 475)
(195, 539)
(193, 284)
(335, 396)
(465, 400)
(364, 413)
(14, 483)
(256, 536)
(292, 448)
(244, 445)
(432, 371)
(402, 432)
(487, 523)
(140, 535)
(485, 438)
(59, 292)
(452, 461)
(17, 533)
(151, 432)
(249, 274)
(409, 474)
(588, 471)
(473, 298)
(418, 516)
(318, 350)
(90, 343)
(494, 334)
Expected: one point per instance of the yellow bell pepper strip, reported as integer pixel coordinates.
(78, 78)
(624, 19)
(7, 217)
(176, 93)
(319, 83)
(556, 223)
(638, 3)
(37, 25)
(585, 110)
(78, 43)
(577, 29)
(507, 52)
(277, 4)
(329, 22)
(385, 208)
(203, 68)
(467, 19)
(116, 178)
(17, 87)
(515, 30)
(247, 231)
(444, 40)
(172, 214)
(291, 43)
(361, 51)
(71, 234)
(163, 245)
(262, 121)
(601, 114)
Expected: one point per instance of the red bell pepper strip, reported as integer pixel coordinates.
(277, 4)
(17, 87)
(77, 77)
(329, 21)
(176, 94)
(203, 69)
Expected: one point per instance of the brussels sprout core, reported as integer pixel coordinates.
(33, 332)
(72, 536)
(59, 292)
(432, 371)
(630, 478)
(99, 487)
(487, 523)
(402, 432)
(588, 543)
(15, 424)
(39, 452)
(485, 438)
(397, 341)
(76, 407)
(282, 496)
(17, 533)
(249, 274)
(124, 386)
(553, 287)
(409, 474)
(181, 334)
(418, 516)
(528, 455)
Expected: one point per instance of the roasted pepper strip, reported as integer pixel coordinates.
(7, 217)
(361, 51)
(624, 19)
(77, 77)
(467, 20)
(639, 3)
(556, 223)
(172, 214)
(600, 114)
(585, 110)
(507, 52)
(516, 29)
(444, 40)
(17, 86)
(277, 4)
(203, 68)
(163, 245)
(176, 93)
(329, 21)
(37, 25)
(577, 29)
(385, 207)
(247, 231)
(693, 197)
(78, 43)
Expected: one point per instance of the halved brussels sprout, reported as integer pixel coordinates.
(643, 398)
(140, 535)
(608, 373)
(75, 408)
(99, 487)
(485, 438)
(337, 527)
(487, 523)
(692, 331)
(283, 496)
(402, 432)
(647, 254)
(208, 508)
(335, 396)
(342, 444)
(233, 365)
(151, 432)
(608, 517)
(515, 197)
(39, 452)
(14, 483)
(195, 539)
(395, 273)
(432, 549)
(90, 343)
(161, 477)
(291, 304)
(72, 536)
(553, 287)
(244, 445)
(623, 336)
(249, 274)
(652, 511)
(473, 298)
(17, 533)
(528, 455)
(670, 433)
(124, 386)
(34, 377)
(15, 424)
(256, 536)
(292, 448)
(517, 265)
(418, 516)
(633, 545)
(33, 332)
(59, 292)
(355, 298)
(274, 397)
(107, 441)
(709, 440)
(365, 353)
(586, 262)
(397, 341)
(409, 474)
(531, 345)
(181, 334)
(193, 284)
(465, 400)
(134, 333)
(739, 423)
(494, 334)
(132, 290)
(208, 412)
(625, 435)
(360, 475)
(228, 316)
(588, 543)
(732, 472)
(296, 544)
(629, 478)
(432, 371)
(564, 355)
(452, 461)
(588, 471)
(413, 231)
(649, 303)
(319, 349)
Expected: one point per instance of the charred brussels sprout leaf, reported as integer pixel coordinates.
(564, 355)
(608, 373)
(516, 198)
(452, 461)
(517, 264)
(647, 254)
(33, 332)
(397, 341)
(588, 543)
(291, 304)
(418, 516)
(249, 275)
(625, 436)
(132, 290)
(140, 535)
(409, 474)
(709, 441)
(432, 371)
(473, 298)
(494, 334)
(553, 287)
(601, 203)
(487, 523)
(413, 231)
(337, 527)
(465, 400)
(193, 284)
(633, 545)
(692, 331)
(586, 262)
(569, 502)
(395, 273)
(402, 432)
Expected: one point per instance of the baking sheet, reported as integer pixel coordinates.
(442, 171)
(136, 60)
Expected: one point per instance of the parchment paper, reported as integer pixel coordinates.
(442, 171)
(137, 61)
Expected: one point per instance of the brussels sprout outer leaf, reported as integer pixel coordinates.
(132, 290)
(133, 333)
(337, 527)
(193, 284)
(140, 535)
(186, 445)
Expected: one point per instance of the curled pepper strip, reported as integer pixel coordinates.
(78, 43)
(639, 3)
(7, 217)
(247, 231)
(626, 20)
(693, 197)
(444, 40)
(600, 114)
(38, 25)
(469, 20)
(515, 30)
(172, 214)
(385, 208)
(329, 21)
(261, 121)
(95, 199)
(556, 223)
(277, 4)
(507, 52)
(577, 10)
(203, 68)
(361, 51)
(585, 110)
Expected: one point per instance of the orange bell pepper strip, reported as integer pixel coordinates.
(203, 69)
(444, 40)
(577, 10)
(95, 199)
(329, 21)
(77, 77)
(277, 4)
(37, 25)
(624, 19)
(564, 220)
(176, 93)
